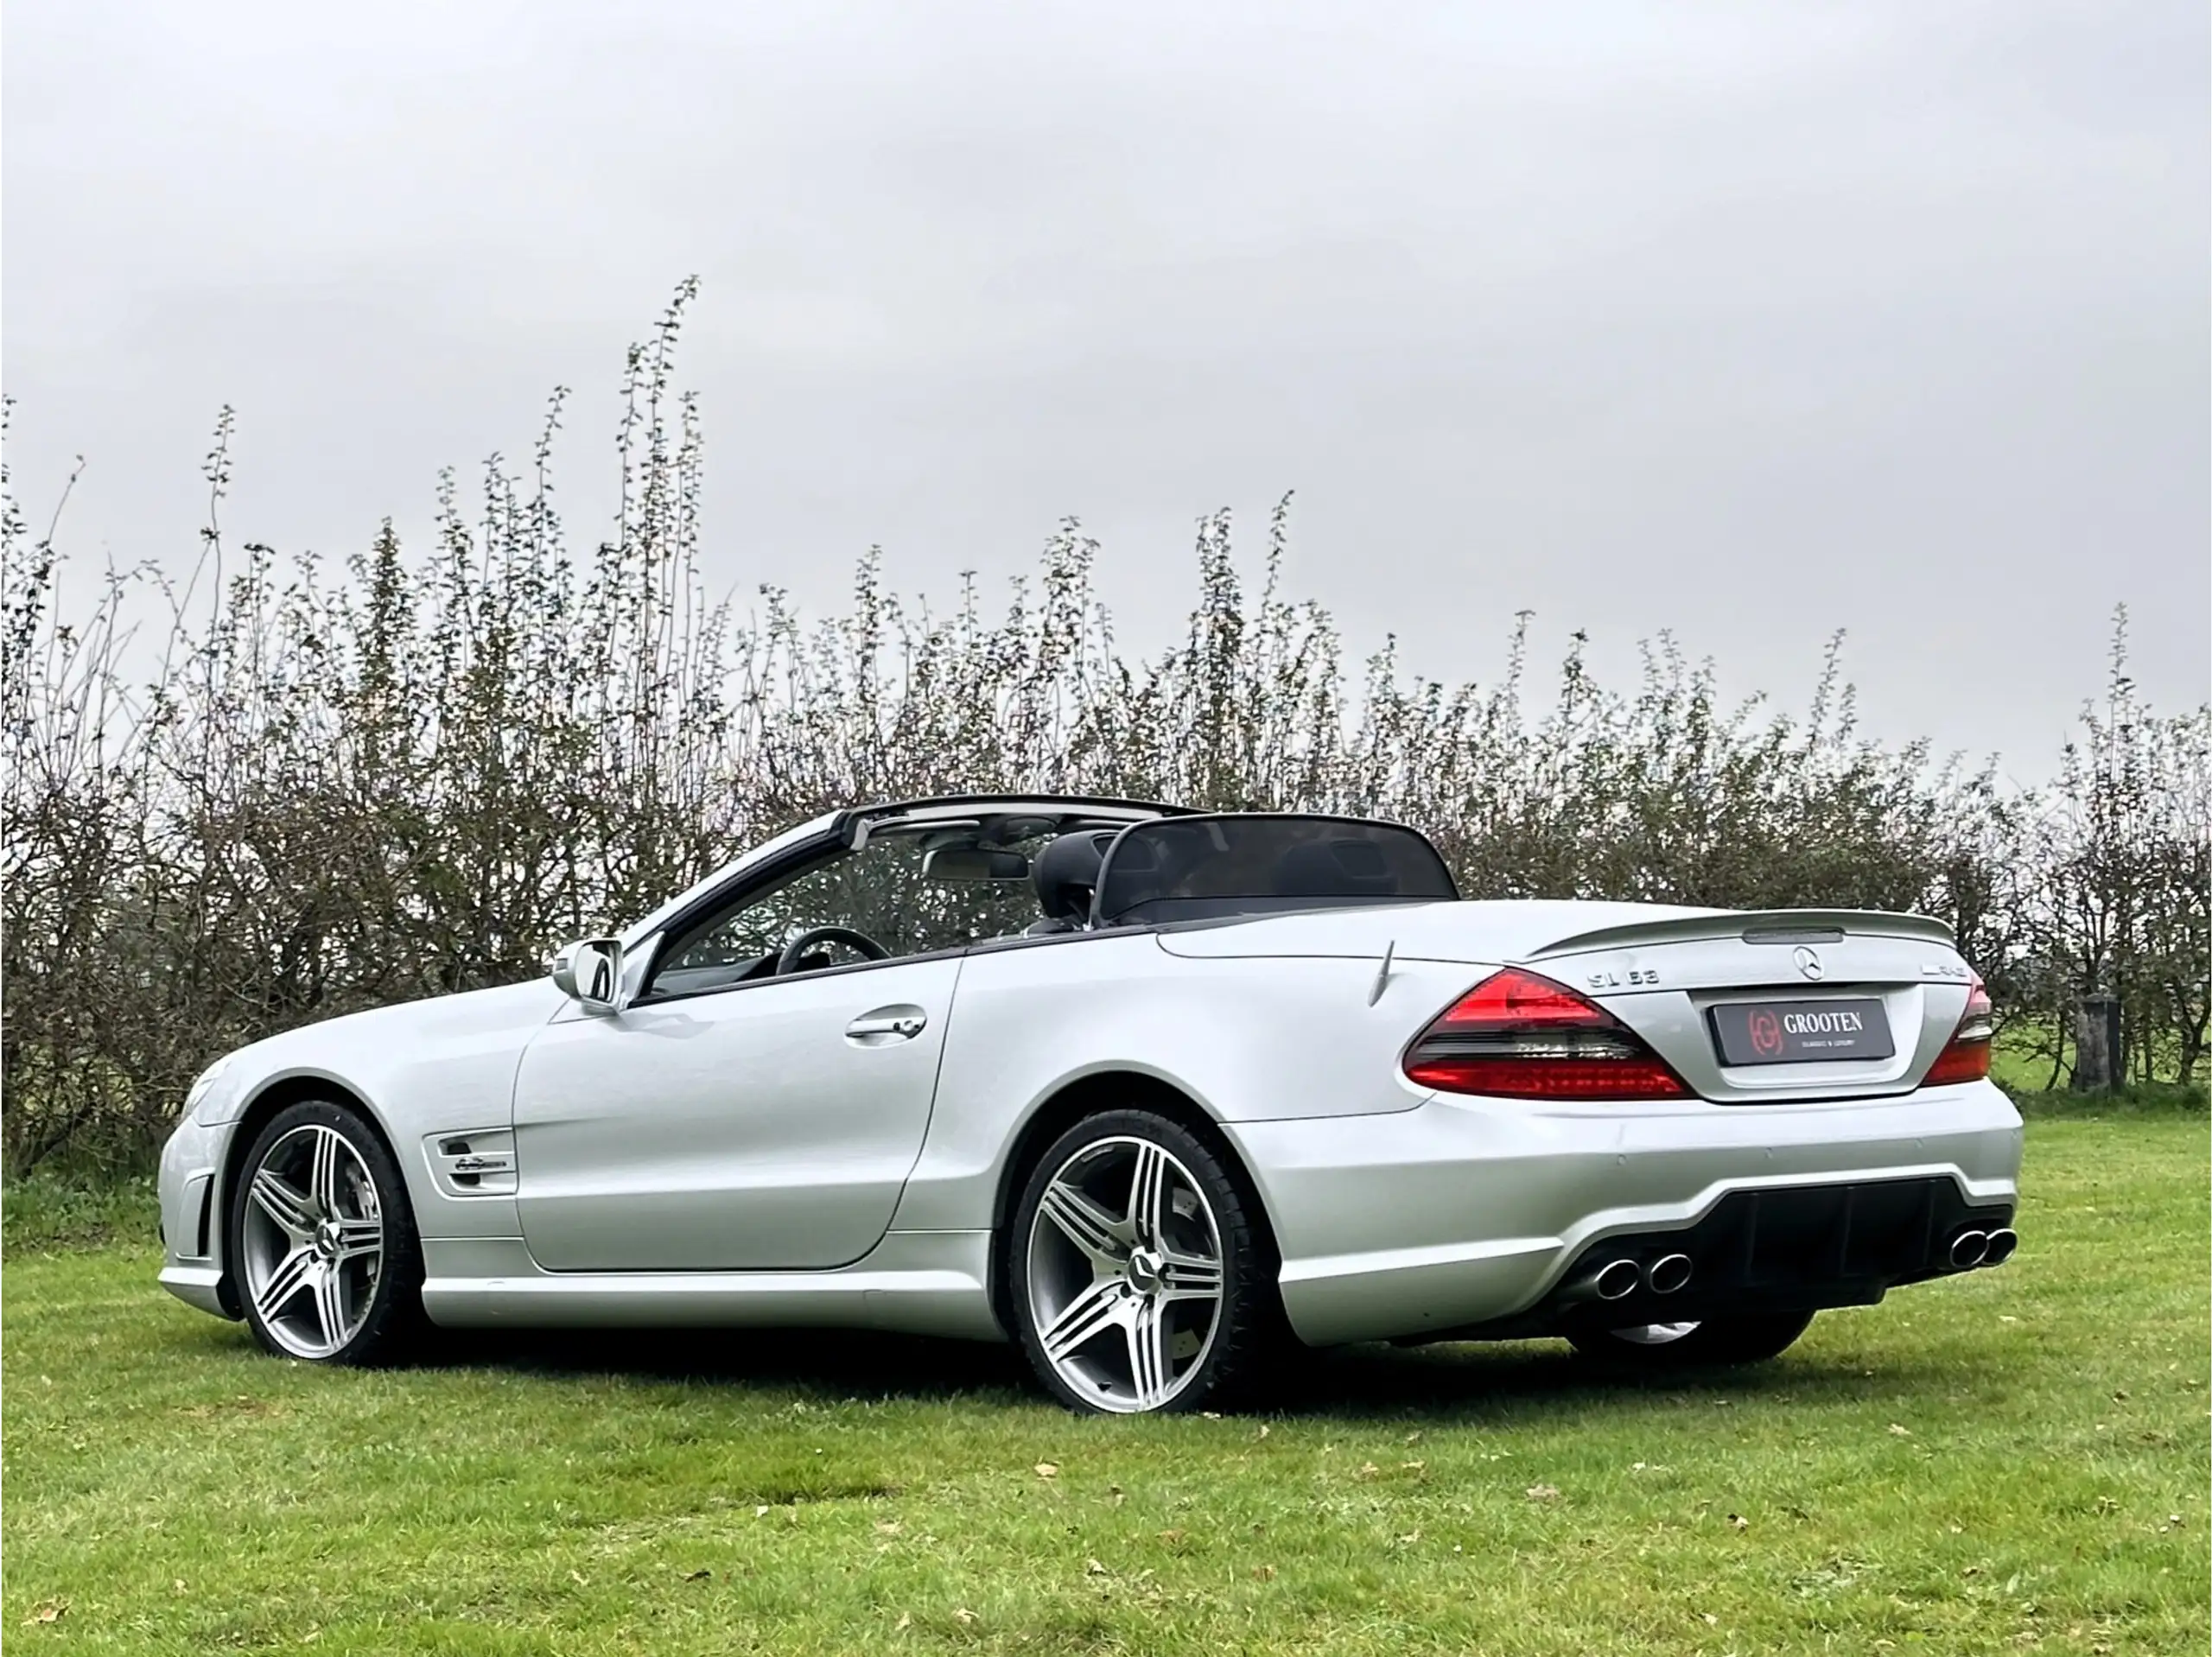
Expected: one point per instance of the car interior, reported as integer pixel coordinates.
(917, 888)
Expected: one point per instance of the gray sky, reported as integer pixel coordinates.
(1749, 320)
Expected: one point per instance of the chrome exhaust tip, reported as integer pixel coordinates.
(1614, 1280)
(1969, 1249)
(1999, 1245)
(1617, 1279)
(1667, 1273)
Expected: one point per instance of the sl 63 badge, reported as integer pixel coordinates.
(1634, 978)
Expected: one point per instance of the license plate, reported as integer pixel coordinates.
(1800, 1032)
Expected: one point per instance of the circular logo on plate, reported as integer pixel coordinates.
(1765, 1032)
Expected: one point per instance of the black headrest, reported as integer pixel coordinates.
(1066, 873)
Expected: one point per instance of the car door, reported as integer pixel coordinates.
(765, 1126)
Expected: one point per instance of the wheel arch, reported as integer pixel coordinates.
(1090, 1094)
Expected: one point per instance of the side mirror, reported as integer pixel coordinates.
(589, 973)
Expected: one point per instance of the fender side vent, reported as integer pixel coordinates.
(480, 1163)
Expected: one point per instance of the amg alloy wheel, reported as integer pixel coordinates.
(1135, 1268)
(324, 1254)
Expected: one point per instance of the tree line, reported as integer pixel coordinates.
(283, 789)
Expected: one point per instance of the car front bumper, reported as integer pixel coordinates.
(1468, 1211)
(191, 1266)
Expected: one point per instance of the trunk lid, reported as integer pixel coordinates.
(1669, 973)
(1891, 981)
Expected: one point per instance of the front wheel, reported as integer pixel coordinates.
(322, 1245)
(1142, 1275)
(1691, 1345)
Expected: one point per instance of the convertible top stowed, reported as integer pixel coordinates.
(1143, 1088)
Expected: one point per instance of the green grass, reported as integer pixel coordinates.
(2013, 1460)
(2168, 1099)
(44, 1213)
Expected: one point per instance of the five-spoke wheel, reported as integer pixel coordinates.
(1134, 1262)
(323, 1249)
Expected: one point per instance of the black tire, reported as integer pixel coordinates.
(1247, 1327)
(377, 1302)
(1713, 1342)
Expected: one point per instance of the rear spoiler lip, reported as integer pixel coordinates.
(1721, 923)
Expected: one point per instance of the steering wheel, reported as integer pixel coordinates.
(788, 961)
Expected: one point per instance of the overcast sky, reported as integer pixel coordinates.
(1753, 321)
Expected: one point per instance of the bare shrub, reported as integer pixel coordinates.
(2120, 899)
(417, 773)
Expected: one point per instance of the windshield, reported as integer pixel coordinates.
(812, 829)
(1193, 868)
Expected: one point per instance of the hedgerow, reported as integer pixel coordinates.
(279, 791)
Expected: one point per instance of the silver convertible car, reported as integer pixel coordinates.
(1153, 1092)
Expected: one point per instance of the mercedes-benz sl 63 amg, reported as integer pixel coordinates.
(1150, 1091)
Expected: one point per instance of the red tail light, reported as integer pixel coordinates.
(1965, 1056)
(1517, 1036)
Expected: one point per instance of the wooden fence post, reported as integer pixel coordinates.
(2097, 1037)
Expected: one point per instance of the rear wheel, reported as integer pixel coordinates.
(323, 1246)
(1690, 1345)
(1142, 1275)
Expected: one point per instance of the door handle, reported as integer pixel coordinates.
(897, 1023)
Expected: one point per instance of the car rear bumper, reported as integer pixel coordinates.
(1469, 1212)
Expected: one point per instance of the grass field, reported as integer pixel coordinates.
(2012, 1461)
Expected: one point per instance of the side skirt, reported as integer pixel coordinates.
(913, 1282)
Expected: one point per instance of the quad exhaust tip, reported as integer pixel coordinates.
(1617, 1279)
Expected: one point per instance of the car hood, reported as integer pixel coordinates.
(357, 1047)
